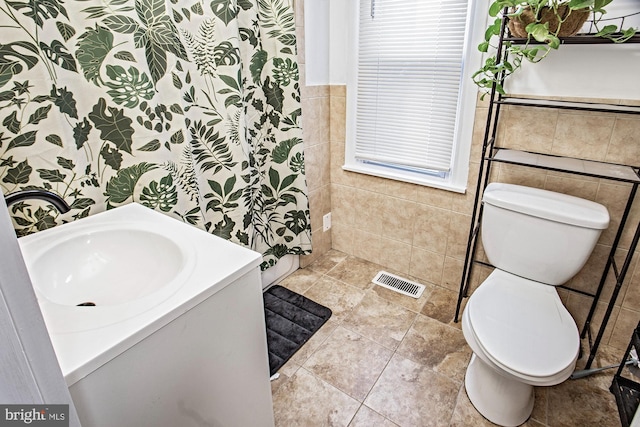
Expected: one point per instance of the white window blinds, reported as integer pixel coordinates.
(410, 55)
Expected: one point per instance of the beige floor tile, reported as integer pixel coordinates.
(367, 417)
(410, 394)
(301, 280)
(356, 272)
(305, 400)
(465, 414)
(382, 321)
(328, 261)
(441, 305)
(315, 342)
(437, 346)
(581, 403)
(284, 374)
(349, 361)
(338, 296)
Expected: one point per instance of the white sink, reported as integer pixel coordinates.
(105, 267)
(108, 267)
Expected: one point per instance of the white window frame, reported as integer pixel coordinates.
(456, 179)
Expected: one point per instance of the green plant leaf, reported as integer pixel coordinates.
(150, 146)
(224, 9)
(150, 11)
(538, 31)
(65, 30)
(121, 24)
(229, 184)
(224, 228)
(162, 195)
(274, 94)
(23, 140)
(113, 125)
(57, 53)
(226, 54)
(66, 163)
(125, 56)
(111, 156)
(258, 60)
(10, 57)
(580, 4)
(156, 59)
(280, 154)
(19, 174)
(39, 115)
(63, 99)
(82, 203)
(81, 132)
(177, 137)
(39, 11)
(93, 47)
(483, 47)
(51, 175)
(54, 139)
(121, 187)
(11, 123)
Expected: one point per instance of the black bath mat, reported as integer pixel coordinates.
(291, 320)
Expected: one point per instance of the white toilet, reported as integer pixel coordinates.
(520, 332)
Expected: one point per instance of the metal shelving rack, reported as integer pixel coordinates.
(624, 386)
(491, 153)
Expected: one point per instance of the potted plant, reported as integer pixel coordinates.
(541, 23)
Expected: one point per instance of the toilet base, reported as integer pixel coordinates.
(501, 400)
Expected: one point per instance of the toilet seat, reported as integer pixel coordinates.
(523, 327)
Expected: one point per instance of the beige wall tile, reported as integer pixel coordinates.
(434, 197)
(625, 141)
(342, 238)
(315, 209)
(431, 228)
(367, 246)
(583, 135)
(614, 197)
(625, 323)
(586, 189)
(344, 205)
(395, 255)
(427, 265)
(338, 108)
(519, 175)
(398, 217)
(369, 207)
(452, 273)
(458, 235)
(315, 119)
(529, 129)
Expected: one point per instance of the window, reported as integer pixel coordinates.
(411, 98)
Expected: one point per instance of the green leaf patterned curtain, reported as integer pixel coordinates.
(189, 107)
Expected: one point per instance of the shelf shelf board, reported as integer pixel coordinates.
(577, 39)
(565, 164)
(570, 105)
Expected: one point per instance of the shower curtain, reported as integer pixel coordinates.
(188, 107)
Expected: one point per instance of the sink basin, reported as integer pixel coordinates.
(106, 267)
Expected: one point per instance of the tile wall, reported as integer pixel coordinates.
(421, 232)
(316, 126)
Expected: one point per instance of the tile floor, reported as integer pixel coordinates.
(384, 359)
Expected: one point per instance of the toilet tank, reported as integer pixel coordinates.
(538, 234)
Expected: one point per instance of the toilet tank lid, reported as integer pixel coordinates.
(547, 205)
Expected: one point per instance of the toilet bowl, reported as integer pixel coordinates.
(521, 336)
(520, 332)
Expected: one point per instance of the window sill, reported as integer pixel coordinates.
(419, 179)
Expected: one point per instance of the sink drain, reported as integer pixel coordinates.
(86, 304)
